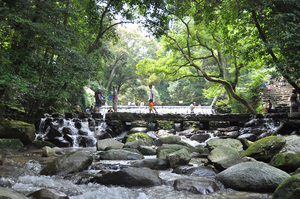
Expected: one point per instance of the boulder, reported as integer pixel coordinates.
(130, 177)
(119, 154)
(194, 171)
(145, 138)
(252, 176)
(216, 142)
(147, 150)
(154, 163)
(47, 193)
(48, 151)
(170, 139)
(265, 148)
(18, 130)
(289, 188)
(103, 144)
(69, 163)
(166, 149)
(288, 162)
(202, 187)
(134, 144)
(292, 144)
(224, 157)
(177, 158)
(6, 193)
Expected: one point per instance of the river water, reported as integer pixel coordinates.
(21, 172)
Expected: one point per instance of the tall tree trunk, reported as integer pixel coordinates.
(270, 51)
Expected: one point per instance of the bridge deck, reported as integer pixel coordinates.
(127, 117)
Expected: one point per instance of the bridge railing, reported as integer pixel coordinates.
(162, 109)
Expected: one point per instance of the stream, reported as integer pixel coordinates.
(20, 172)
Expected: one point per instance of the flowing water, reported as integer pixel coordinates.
(20, 172)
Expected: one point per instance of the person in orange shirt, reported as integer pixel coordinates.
(151, 106)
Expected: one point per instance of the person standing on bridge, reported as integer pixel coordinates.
(115, 98)
(151, 99)
(192, 107)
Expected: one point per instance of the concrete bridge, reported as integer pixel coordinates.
(204, 121)
(163, 109)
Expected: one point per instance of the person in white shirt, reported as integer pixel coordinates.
(192, 107)
(115, 98)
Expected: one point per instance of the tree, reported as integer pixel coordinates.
(41, 60)
(278, 26)
(195, 51)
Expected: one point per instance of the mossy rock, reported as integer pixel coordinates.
(288, 162)
(265, 148)
(144, 137)
(164, 124)
(14, 144)
(289, 188)
(167, 149)
(17, 129)
(191, 124)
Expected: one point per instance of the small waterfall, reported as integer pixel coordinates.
(71, 132)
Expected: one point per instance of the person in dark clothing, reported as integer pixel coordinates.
(294, 101)
(268, 106)
(98, 97)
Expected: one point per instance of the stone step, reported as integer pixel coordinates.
(280, 97)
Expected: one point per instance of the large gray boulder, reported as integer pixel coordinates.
(178, 158)
(252, 176)
(130, 177)
(224, 157)
(216, 142)
(108, 143)
(292, 144)
(289, 188)
(120, 154)
(69, 163)
(6, 193)
(167, 149)
(170, 139)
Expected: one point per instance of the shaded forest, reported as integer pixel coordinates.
(52, 51)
